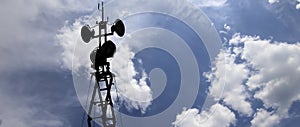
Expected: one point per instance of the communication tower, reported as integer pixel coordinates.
(101, 97)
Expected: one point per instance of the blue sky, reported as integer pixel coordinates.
(248, 76)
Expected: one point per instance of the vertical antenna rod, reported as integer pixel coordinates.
(102, 12)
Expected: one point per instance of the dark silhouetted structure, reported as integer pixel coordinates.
(102, 72)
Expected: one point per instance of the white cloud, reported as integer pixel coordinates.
(237, 39)
(134, 92)
(69, 39)
(274, 78)
(273, 1)
(227, 82)
(209, 3)
(217, 116)
(298, 4)
(262, 118)
(227, 27)
(278, 69)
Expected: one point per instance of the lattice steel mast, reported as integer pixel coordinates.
(102, 75)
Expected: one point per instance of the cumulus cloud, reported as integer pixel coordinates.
(274, 78)
(217, 116)
(278, 68)
(263, 118)
(68, 38)
(227, 82)
(134, 92)
(269, 70)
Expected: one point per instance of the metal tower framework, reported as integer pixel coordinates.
(101, 100)
(104, 103)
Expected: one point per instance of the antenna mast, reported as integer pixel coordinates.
(102, 12)
(102, 75)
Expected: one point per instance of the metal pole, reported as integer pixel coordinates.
(102, 12)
